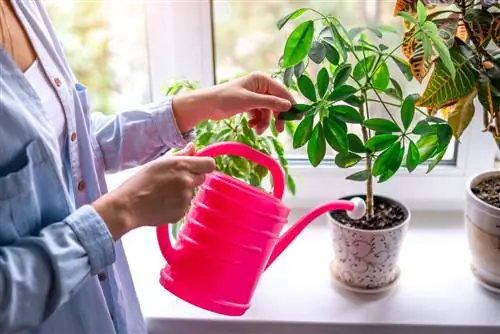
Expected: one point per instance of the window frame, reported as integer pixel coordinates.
(190, 54)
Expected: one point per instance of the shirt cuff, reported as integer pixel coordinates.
(94, 236)
(166, 124)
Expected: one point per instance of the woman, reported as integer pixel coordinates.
(62, 266)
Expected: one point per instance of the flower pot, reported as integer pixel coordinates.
(366, 260)
(482, 222)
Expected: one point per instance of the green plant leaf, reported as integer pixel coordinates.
(381, 125)
(346, 160)
(336, 135)
(290, 184)
(387, 160)
(436, 160)
(444, 134)
(355, 144)
(479, 21)
(363, 67)
(323, 81)
(293, 15)
(397, 88)
(288, 77)
(298, 44)
(387, 28)
(427, 46)
(443, 88)
(495, 29)
(303, 132)
(408, 17)
(361, 176)
(408, 109)
(342, 92)
(317, 52)
(431, 29)
(403, 67)
(393, 167)
(345, 114)
(299, 69)
(444, 56)
(381, 142)
(421, 12)
(427, 145)
(381, 76)
(316, 147)
(413, 157)
(422, 128)
(353, 100)
(306, 87)
(343, 73)
(332, 55)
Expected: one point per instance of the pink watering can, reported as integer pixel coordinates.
(231, 236)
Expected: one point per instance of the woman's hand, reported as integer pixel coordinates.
(256, 93)
(160, 193)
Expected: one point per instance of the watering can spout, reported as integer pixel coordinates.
(356, 208)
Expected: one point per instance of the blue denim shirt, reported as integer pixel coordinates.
(60, 271)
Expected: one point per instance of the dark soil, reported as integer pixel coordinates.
(387, 214)
(488, 191)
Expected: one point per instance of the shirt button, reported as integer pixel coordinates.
(73, 136)
(101, 276)
(58, 82)
(81, 186)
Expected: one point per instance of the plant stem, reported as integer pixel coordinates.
(363, 110)
(398, 105)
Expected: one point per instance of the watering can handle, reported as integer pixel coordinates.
(249, 153)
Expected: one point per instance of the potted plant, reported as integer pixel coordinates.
(236, 129)
(344, 78)
(471, 31)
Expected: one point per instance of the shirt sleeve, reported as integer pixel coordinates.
(134, 137)
(38, 274)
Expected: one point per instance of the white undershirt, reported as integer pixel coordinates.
(52, 109)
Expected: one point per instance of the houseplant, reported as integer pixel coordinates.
(344, 77)
(471, 30)
(236, 129)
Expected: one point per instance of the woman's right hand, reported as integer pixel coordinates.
(160, 193)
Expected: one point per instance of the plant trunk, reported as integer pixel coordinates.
(369, 183)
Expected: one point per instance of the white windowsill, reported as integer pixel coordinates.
(437, 293)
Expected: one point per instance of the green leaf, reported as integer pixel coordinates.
(444, 56)
(381, 142)
(299, 69)
(204, 139)
(413, 157)
(343, 74)
(362, 176)
(387, 28)
(355, 144)
(436, 160)
(427, 45)
(422, 128)
(397, 89)
(345, 114)
(346, 160)
(427, 145)
(387, 160)
(306, 87)
(296, 14)
(443, 88)
(393, 168)
(444, 134)
(421, 12)
(408, 109)
(332, 55)
(298, 44)
(316, 147)
(317, 52)
(363, 67)
(342, 92)
(323, 81)
(303, 132)
(290, 184)
(381, 76)
(381, 125)
(288, 77)
(408, 17)
(336, 135)
(353, 101)
(403, 67)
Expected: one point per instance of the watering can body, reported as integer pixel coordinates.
(232, 233)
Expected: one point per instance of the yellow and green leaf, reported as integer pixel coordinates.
(418, 64)
(461, 115)
(495, 30)
(409, 6)
(480, 23)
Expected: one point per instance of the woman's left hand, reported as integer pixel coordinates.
(257, 94)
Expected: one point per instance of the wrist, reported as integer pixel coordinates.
(192, 108)
(113, 211)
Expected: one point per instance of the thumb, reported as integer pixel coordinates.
(263, 101)
(187, 150)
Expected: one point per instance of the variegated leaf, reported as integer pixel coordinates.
(495, 30)
(442, 88)
(489, 90)
(439, 2)
(418, 64)
(408, 45)
(461, 116)
(462, 31)
(409, 6)
(480, 23)
(447, 30)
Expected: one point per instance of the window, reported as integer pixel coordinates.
(208, 41)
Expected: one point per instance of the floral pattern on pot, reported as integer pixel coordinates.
(366, 259)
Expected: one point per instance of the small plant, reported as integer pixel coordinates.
(345, 77)
(470, 30)
(236, 129)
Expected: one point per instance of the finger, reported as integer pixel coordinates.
(277, 89)
(264, 101)
(198, 179)
(255, 117)
(265, 120)
(189, 149)
(200, 165)
(279, 124)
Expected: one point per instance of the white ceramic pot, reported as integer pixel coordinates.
(367, 259)
(482, 222)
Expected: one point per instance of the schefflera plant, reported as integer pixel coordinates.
(353, 76)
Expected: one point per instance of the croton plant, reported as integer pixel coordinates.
(470, 30)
